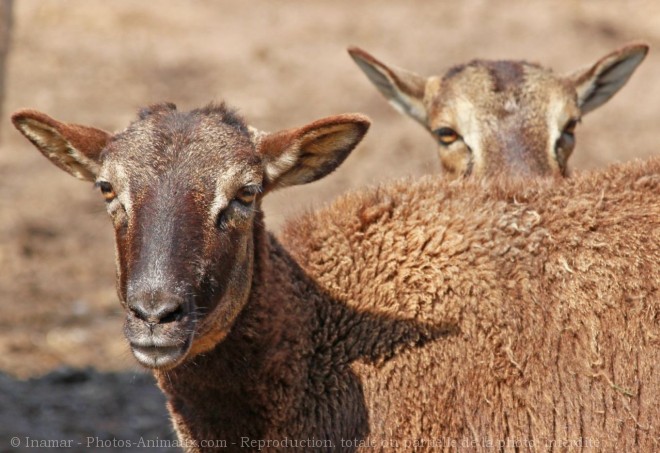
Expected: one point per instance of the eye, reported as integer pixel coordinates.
(567, 138)
(239, 209)
(107, 190)
(246, 195)
(566, 142)
(446, 135)
(569, 128)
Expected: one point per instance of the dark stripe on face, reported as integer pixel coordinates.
(454, 71)
(505, 74)
(168, 242)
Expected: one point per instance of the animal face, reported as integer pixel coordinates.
(494, 118)
(491, 116)
(183, 190)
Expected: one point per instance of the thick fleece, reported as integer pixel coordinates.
(445, 315)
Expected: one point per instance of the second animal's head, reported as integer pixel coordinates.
(503, 117)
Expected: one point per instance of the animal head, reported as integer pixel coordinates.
(503, 117)
(183, 190)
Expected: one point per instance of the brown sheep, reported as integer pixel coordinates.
(421, 314)
(503, 117)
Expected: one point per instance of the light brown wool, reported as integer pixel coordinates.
(547, 299)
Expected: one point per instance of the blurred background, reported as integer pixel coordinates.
(282, 64)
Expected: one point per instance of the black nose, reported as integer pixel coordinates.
(156, 308)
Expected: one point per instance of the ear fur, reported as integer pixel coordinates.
(597, 84)
(74, 148)
(403, 89)
(305, 154)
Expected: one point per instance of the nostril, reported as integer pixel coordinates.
(139, 312)
(161, 313)
(172, 316)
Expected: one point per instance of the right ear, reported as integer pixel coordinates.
(597, 84)
(403, 89)
(304, 154)
(73, 148)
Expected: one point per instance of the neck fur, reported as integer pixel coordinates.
(285, 370)
(256, 381)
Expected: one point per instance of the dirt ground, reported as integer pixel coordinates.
(282, 64)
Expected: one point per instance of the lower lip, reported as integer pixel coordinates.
(158, 357)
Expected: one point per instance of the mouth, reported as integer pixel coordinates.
(159, 357)
(159, 346)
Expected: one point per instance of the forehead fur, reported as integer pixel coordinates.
(503, 73)
(201, 141)
(507, 112)
(498, 88)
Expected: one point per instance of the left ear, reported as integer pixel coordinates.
(74, 148)
(305, 154)
(403, 89)
(596, 85)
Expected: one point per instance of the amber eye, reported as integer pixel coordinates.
(246, 195)
(107, 190)
(446, 135)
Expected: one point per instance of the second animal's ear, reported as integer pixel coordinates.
(73, 148)
(403, 89)
(305, 154)
(596, 85)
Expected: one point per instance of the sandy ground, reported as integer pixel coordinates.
(282, 64)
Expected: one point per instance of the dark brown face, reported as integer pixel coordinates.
(182, 190)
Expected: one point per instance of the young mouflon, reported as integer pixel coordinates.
(503, 117)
